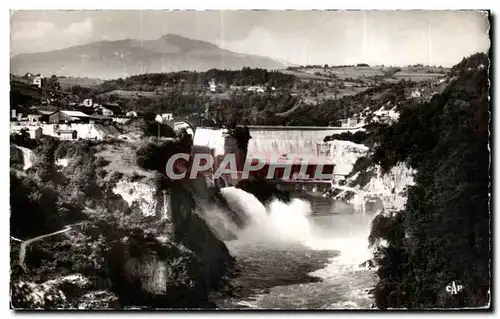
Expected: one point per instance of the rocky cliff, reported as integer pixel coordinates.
(145, 242)
(371, 183)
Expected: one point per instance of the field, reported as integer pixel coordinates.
(130, 94)
(67, 82)
(327, 74)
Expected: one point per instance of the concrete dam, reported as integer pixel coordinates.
(293, 141)
(285, 146)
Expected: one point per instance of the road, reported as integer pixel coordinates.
(24, 244)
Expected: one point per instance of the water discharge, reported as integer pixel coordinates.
(279, 223)
(286, 245)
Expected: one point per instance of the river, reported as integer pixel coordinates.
(305, 254)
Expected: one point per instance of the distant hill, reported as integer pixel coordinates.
(67, 82)
(122, 58)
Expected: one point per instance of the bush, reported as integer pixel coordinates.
(154, 154)
(30, 201)
(443, 234)
(182, 284)
(359, 137)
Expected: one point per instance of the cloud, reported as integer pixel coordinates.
(32, 30)
(80, 28)
(264, 42)
(36, 36)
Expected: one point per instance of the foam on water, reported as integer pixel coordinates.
(345, 284)
(279, 223)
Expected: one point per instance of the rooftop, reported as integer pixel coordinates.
(74, 113)
(46, 112)
(100, 117)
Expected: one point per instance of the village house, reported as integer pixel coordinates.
(34, 119)
(164, 117)
(108, 110)
(38, 80)
(38, 133)
(44, 115)
(212, 85)
(385, 116)
(101, 119)
(17, 112)
(67, 134)
(63, 116)
(87, 103)
(350, 122)
(257, 89)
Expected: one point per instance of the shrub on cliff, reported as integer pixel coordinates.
(154, 154)
(145, 272)
(133, 264)
(73, 148)
(23, 140)
(42, 205)
(242, 136)
(359, 137)
(471, 63)
(443, 234)
(33, 209)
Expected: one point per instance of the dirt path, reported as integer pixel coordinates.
(22, 250)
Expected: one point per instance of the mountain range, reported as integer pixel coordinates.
(122, 58)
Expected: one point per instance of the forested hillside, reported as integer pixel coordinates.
(245, 76)
(444, 233)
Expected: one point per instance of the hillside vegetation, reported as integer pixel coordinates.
(315, 95)
(95, 243)
(443, 234)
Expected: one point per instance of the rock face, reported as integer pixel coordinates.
(16, 156)
(21, 155)
(146, 272)
(192, 231)
(63, 292)
(175, 271)
(143, 196)
(392, 185)
(169, 257)
(388, 188)
(344, 155)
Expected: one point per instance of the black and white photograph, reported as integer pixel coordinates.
(250, 160)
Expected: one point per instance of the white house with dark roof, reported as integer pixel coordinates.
(38, 80)
(68, 116)
(87, 103)
(164, 117)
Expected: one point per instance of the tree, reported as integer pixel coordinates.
(443, 234)
(52, 83)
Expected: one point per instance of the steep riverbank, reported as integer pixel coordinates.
(145, 251)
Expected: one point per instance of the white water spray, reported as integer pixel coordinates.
(282, 223)
(279, 223)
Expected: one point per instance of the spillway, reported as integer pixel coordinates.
(290, 142)
(287, 146)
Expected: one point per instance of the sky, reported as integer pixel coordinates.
(299, 37)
